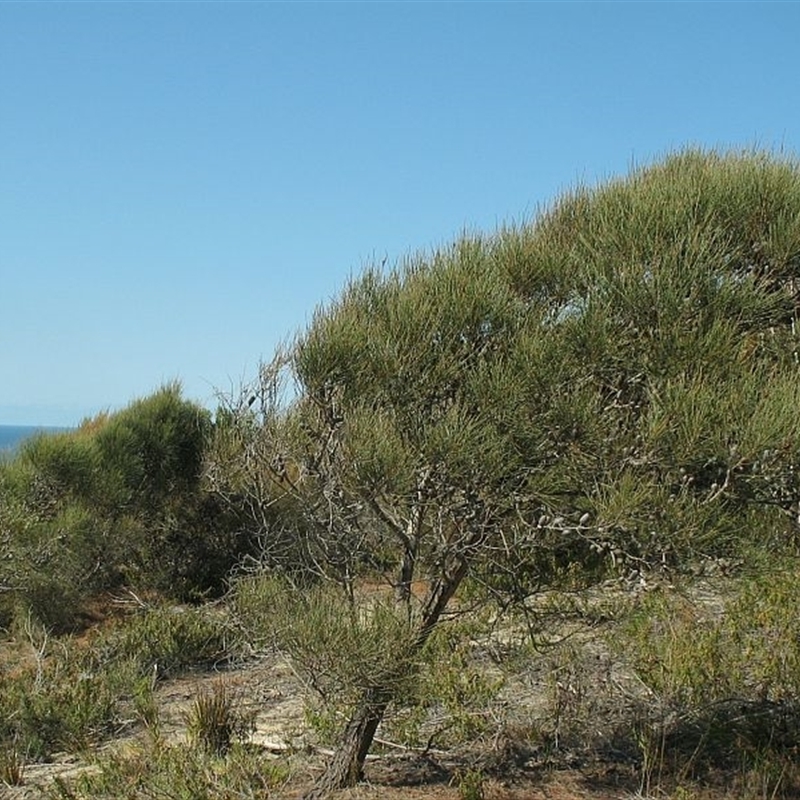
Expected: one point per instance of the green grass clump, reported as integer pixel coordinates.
(179, 771)
(12, 766)
(215, 720)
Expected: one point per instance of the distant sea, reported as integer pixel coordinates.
(11, 436)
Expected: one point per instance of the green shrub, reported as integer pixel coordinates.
(118, 501)
(748, 648)
(51, 597)
(154, 449)
(342, 646)
(70, 462)
(471, 785)
(450, 699)
(338, 644)
(73, 695)
(723, 677)
(65, 700)
(166, 641)
(177, 771)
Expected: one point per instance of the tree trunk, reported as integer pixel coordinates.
(347, 765)
(402, 590)
(411, 539)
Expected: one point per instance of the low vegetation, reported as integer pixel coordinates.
(526, 503)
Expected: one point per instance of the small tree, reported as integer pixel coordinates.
(616, 382)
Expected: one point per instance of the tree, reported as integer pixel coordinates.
(614, 383)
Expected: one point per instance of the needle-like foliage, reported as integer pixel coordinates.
(615, 383)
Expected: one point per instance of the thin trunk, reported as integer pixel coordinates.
(347, 765)
(402, 590)
(411, 539)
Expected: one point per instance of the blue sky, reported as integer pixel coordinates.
(182, 183)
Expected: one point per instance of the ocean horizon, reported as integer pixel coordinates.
(12, 436)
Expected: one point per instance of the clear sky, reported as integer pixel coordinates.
(182, 183)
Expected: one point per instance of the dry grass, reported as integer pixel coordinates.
(563, 727)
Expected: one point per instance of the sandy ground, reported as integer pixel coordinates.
(270, 689)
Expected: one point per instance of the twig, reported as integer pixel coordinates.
(406, 749)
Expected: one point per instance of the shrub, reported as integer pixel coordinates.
(64, 700)
(339, 645)
(119, 501)
(154, 449)
(724, 681)
(451, 699)
(72, 695)
(166, 641)
(70, 463)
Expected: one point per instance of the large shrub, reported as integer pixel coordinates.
(118, 501)
(613, 385)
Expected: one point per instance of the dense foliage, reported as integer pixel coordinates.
(117, 503)
(614, 385)
(630, 356)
